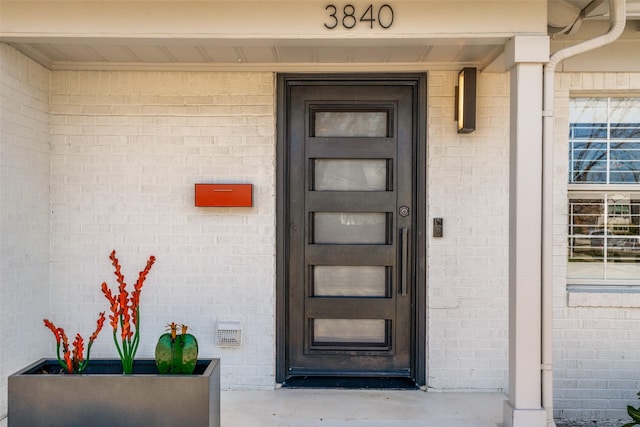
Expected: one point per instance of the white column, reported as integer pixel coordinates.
(525, 56)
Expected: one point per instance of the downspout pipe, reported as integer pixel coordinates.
(617, 21)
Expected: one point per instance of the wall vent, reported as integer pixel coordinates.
(229, 333)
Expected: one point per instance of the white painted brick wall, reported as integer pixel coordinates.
(468, 177)
(596, 345)
(127, 149)
(24, 213)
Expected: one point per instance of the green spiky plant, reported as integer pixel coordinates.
(634, 413)
(176, 353)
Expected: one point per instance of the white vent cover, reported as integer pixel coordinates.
(229, 333)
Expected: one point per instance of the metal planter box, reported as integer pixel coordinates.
(103, 396)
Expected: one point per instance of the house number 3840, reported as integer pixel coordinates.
(349, 17)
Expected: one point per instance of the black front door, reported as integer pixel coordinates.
(349, 167)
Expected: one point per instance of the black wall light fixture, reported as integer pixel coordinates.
(466, 100)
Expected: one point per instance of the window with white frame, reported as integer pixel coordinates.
(604, 191)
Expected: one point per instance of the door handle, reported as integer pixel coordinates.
(404, 260)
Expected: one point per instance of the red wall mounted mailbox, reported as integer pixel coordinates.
(227, 195)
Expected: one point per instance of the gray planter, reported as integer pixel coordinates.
(104, 397)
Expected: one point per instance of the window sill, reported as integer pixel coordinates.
(603, 296)
(632, 186)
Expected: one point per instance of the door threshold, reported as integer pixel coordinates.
(357, 383)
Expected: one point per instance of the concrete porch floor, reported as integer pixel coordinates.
(360, 408)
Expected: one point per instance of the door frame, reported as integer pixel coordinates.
(419, 324)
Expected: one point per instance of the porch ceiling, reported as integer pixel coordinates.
(203, 54)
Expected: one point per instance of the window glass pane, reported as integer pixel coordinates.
(350, 227)
(351, 124)
(353, 281)
(588, 130)
(624, 110)
(588, 110)
(625, 131)
(350, 175)
(349, 331)
(604, 140)
(604, 235)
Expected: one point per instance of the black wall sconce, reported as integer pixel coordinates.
(466, 100)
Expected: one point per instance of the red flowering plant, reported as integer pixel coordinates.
(125, 313)
(73, 361)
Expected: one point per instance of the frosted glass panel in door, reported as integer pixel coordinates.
(357, 331)
(350, 228)
(350, 175)
(351, 124)
(349, 281)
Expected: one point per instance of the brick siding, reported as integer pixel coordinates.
(24, 213)
(127, 149)
(468, 182)
(596, 346)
